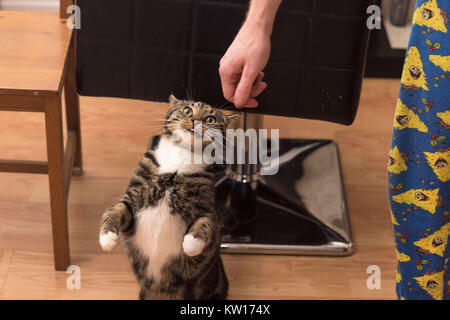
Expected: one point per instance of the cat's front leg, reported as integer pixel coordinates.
(198, 236)
(110, 225)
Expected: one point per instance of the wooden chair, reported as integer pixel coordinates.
(37, 61)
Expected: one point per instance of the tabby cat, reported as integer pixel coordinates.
(167, 218)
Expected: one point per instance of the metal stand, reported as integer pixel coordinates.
(300, 210)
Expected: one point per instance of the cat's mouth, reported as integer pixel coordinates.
(194, 132)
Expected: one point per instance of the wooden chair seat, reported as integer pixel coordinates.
(33, 51)
(36, 63)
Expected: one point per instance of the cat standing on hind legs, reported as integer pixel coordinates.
(167, 215)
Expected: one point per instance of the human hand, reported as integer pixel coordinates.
(241, 67)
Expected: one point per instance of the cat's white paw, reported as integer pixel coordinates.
(108, 240)
(192, 246)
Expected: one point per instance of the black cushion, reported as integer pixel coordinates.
(148, 49)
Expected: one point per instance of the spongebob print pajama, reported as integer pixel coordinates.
(418, 170)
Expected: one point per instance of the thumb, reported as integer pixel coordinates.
(244, 87)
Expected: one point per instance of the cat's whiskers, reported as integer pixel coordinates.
(160, 112)
(155, 123)
(157, 119)
(228, 140)
(153, 131)
(221, 107)
(220, 143)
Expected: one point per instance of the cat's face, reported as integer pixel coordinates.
(187, 118)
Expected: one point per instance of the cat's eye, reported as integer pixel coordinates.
(187, 112)
(210, 120)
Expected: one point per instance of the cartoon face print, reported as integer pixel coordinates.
(402, 120)
(391, 161)
(420, 196)
(441, 163)
(427, 14)
(431, 284)
(415, 72)
(438, 241)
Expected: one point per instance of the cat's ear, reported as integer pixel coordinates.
(173, 101)
(231, 117)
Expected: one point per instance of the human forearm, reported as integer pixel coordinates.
(261, 14)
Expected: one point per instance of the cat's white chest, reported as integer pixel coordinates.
(175, 158)
(159, 236)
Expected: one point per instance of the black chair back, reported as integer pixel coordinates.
(148, 49)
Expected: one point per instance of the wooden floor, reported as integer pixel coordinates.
(115, 134)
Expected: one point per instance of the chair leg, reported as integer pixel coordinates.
(73, 109)
(58, 205)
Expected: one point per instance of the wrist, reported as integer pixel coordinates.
(262, 26)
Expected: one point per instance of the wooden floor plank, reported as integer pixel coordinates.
(5, 260)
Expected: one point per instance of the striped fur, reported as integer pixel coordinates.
(167, 217)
